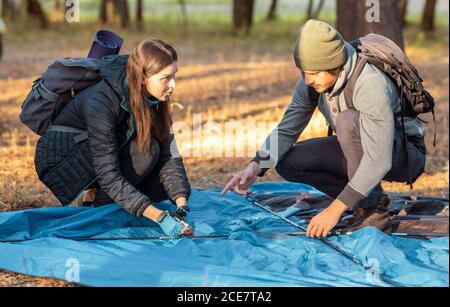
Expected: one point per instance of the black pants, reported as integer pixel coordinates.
(329, 163)
(140, 170)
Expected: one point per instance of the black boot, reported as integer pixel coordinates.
(376, 215)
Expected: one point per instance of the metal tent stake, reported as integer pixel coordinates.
(328, 243)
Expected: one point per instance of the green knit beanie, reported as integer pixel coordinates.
(319, 47)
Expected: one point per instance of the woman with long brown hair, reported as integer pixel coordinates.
(112, 142)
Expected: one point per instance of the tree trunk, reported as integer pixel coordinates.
(403, 11)
(242, 15)
(139, 14)
(106, 11)
(1, 46)
(184, 16)
(355, 19)
(319, 8)
(34, 8)
(124, 12)
(272, 15)
(102, 15)
(310, 9)
(314, 13)
(428, 16)
(9, 9)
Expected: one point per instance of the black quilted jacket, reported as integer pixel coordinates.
(68, 168)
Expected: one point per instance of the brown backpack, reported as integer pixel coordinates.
(384, 54)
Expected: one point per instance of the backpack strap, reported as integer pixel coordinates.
(350, 85)
(40, 90)
(81, 134)
(405, 137)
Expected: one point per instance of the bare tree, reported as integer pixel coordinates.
(34, 8)
(139, 14)
(242, 15)
(272, 15)
(106, 11)
(9, 9)
(2, 29)
(1, 46)
(354, 20)
(103, 13)
(184, 15)
(314, 13)
(110, 8)
(124, 11)
(428, 16)
(403, 4)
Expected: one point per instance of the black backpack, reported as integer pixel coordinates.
(384, 54)
(61, 82)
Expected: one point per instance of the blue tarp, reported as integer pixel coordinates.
(246, 258)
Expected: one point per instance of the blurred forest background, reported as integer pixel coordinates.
(235, 66)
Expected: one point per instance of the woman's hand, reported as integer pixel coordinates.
(172, 224)
(152, 213)
(182, 207)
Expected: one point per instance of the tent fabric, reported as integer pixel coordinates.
(245, 258)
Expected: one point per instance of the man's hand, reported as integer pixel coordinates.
(243, 180)
(325, 221)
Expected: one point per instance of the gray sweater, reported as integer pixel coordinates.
(376, 99)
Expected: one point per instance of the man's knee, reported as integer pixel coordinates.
(280, 168)
(347, 124)
(289, 170)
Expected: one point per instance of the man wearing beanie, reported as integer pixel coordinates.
(366, 149)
